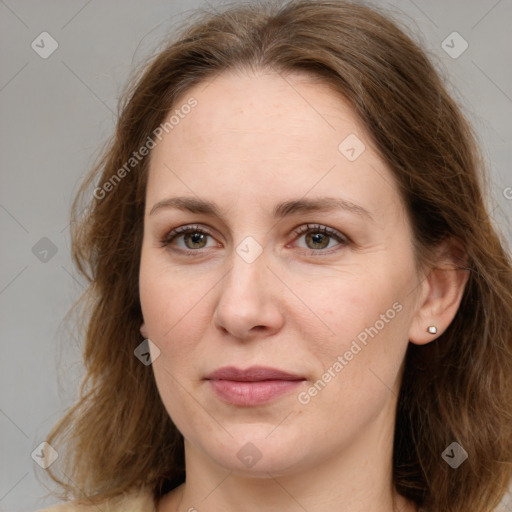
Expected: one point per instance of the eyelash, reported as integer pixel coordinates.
(315, 228)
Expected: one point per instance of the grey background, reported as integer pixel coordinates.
(56, 113)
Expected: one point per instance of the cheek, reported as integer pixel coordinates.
(172, 300)
(358, 367)
(360, 356)
(174, 315)
(177, 309)
(345, 304)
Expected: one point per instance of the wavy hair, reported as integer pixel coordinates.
(119, 436)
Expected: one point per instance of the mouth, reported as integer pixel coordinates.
(252, 386)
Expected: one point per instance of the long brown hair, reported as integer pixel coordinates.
(458, 388)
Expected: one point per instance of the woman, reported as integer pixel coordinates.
(297, 298)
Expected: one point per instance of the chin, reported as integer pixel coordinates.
(256, 453)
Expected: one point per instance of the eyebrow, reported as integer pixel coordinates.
(281, 210)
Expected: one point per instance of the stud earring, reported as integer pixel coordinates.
(432, 329)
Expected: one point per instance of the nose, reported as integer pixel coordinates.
(249, 305)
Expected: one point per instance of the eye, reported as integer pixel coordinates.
(192, 238)
(318, 238)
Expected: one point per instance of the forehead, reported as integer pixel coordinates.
(269, 135)
(294, 112)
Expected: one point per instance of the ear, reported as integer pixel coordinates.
(441, 292)
(144, 331)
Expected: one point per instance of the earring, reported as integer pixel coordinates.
(432, 329)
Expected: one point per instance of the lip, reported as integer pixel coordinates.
(251, 386)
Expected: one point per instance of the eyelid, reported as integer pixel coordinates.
(304, 228)
(181, 230)
(343, 239)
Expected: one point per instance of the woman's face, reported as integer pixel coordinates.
(294, 254)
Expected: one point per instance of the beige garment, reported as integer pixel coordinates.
(135, 501)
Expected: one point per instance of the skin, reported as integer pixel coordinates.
(254, 140)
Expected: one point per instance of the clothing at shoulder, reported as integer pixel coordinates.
(135, 501)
